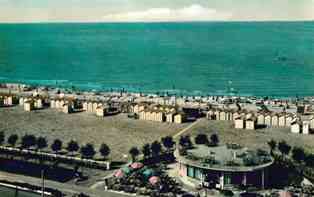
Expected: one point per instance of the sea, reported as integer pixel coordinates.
(193, 58)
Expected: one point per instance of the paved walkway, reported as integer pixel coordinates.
(186, 129)
(68, 189)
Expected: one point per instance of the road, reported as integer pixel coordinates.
(186, 129)
(68, 189)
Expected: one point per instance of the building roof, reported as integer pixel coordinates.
(226, 158)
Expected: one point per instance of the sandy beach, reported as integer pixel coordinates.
(119, 132)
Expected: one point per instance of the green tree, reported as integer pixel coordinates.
(168, 142)
(56, 146)
(156, 148)
(13, 139)
(88, 151)
(284, 148)
(41, 143)
(146, 151)
(309, 160)
(185, 142)
(201, 139)
(272, 146)
(2, 137)
(72, 147)
(28, 141)
(214, 139)
(134, 152)
(298, 154)
(104, 150)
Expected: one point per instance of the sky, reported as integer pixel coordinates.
(12, 11)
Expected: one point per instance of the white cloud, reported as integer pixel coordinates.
(193, 12)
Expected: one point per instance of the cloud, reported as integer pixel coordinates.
(193, 12)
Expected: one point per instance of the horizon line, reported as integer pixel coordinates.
(121, 22)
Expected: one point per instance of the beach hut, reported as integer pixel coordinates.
(250, 123)
(58, 105)
(90, 107)
(217, 114)
(160, 116)
(222, 115)
(52, 103)
(261, 119)
(295, 127)
(229, 116)
(95, 105)
(235, 115)
(85, 106)
(29, 105)
(282, 120)
(170, 117)
(312, 122)
(100, 111)
(38, 103)
(1, 101)
(274, 120)
(239, 123)
(142, 115)
(289, 120)
(210, 114)
(268, 120)
(305, 127)
(179, 118)
(67, 108)
(21, 101)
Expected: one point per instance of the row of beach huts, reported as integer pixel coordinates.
(143, 111)
(158, 113)
(253, 120)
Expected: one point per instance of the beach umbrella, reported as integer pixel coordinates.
(154, 180)
(119, 173)
(136, 165)
(148, 173)
(126, 170)
(285, 194)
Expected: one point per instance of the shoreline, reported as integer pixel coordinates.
(75, 90)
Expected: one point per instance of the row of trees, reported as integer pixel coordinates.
(154, 149)
(186, 143)
(297, 153)
(39, 143)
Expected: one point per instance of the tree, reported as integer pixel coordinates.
(134, 152)
(146, 151)
(156, 148)
(309, 160)
(104, 150)
(13, 139)
(284, 148)
(298, 154)
(185, 142)
(56, 146)
(88, 151)
(214, 139)
(2, 137)
(28, 141)
(41, 143)
(201, 139)
(72, 146)
(168, 142)
(272, 145)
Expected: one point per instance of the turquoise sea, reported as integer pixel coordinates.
(249, 58)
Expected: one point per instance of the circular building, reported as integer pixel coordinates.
(224, 167)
